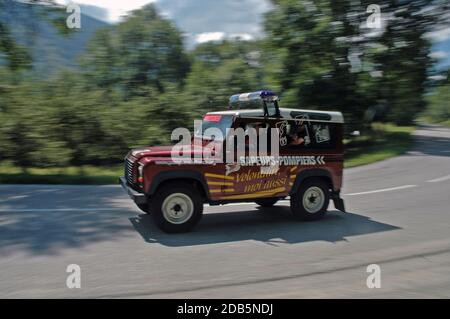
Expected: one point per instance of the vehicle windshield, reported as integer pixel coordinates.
(211, 121)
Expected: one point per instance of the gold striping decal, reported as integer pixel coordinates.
(220, 183)
(257, 194)
(227, 190)
(230, 178)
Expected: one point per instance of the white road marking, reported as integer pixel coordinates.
(382, 190)
(231, 204)
(440, 179)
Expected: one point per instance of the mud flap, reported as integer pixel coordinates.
(339, 203)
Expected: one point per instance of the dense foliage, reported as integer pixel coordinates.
(136, 82)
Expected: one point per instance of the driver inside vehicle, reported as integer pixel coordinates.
(297, 140)
(298, 135)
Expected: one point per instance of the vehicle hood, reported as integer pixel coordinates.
(154, 151)
(166, 151)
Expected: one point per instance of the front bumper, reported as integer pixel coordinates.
(137, 197)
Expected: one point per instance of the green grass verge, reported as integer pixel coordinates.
(385, 141)
(444, 123)
(430, 120)
(88, 175)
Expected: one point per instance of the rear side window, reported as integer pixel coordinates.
(309, 135)
(321, 134)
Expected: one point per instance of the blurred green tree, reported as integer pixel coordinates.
(307, 50)
(322, 55)
(143, 52)
(17, 56)
(135, 82)
(403, 60)
(220, 70)
(438, 110)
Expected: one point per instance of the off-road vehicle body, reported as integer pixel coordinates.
(308, 169)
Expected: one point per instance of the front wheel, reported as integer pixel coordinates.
(311, 200)
(176, 208)
(143, 207)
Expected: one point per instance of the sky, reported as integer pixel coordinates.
(112, 9)
(225, 19)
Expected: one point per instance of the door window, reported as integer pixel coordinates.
(307, 135)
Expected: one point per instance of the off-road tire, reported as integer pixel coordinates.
(143, 207)
(176, 207)
(311, 200)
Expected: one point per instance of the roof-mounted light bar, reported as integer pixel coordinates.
(259, 99)
(239, 100)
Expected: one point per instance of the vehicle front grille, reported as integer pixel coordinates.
(129, 171)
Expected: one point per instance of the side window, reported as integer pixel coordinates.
(261, 128)
(308, 135)
(294, 134)
(254, 130)
(321, 133)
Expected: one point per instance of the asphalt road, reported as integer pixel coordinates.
(399, 219)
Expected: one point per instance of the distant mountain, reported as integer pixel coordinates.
(49, 48)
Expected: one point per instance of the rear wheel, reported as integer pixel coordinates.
(176, 208)
(311, 200)
(266, 202)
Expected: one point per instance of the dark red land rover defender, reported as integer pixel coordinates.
(306, 166)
